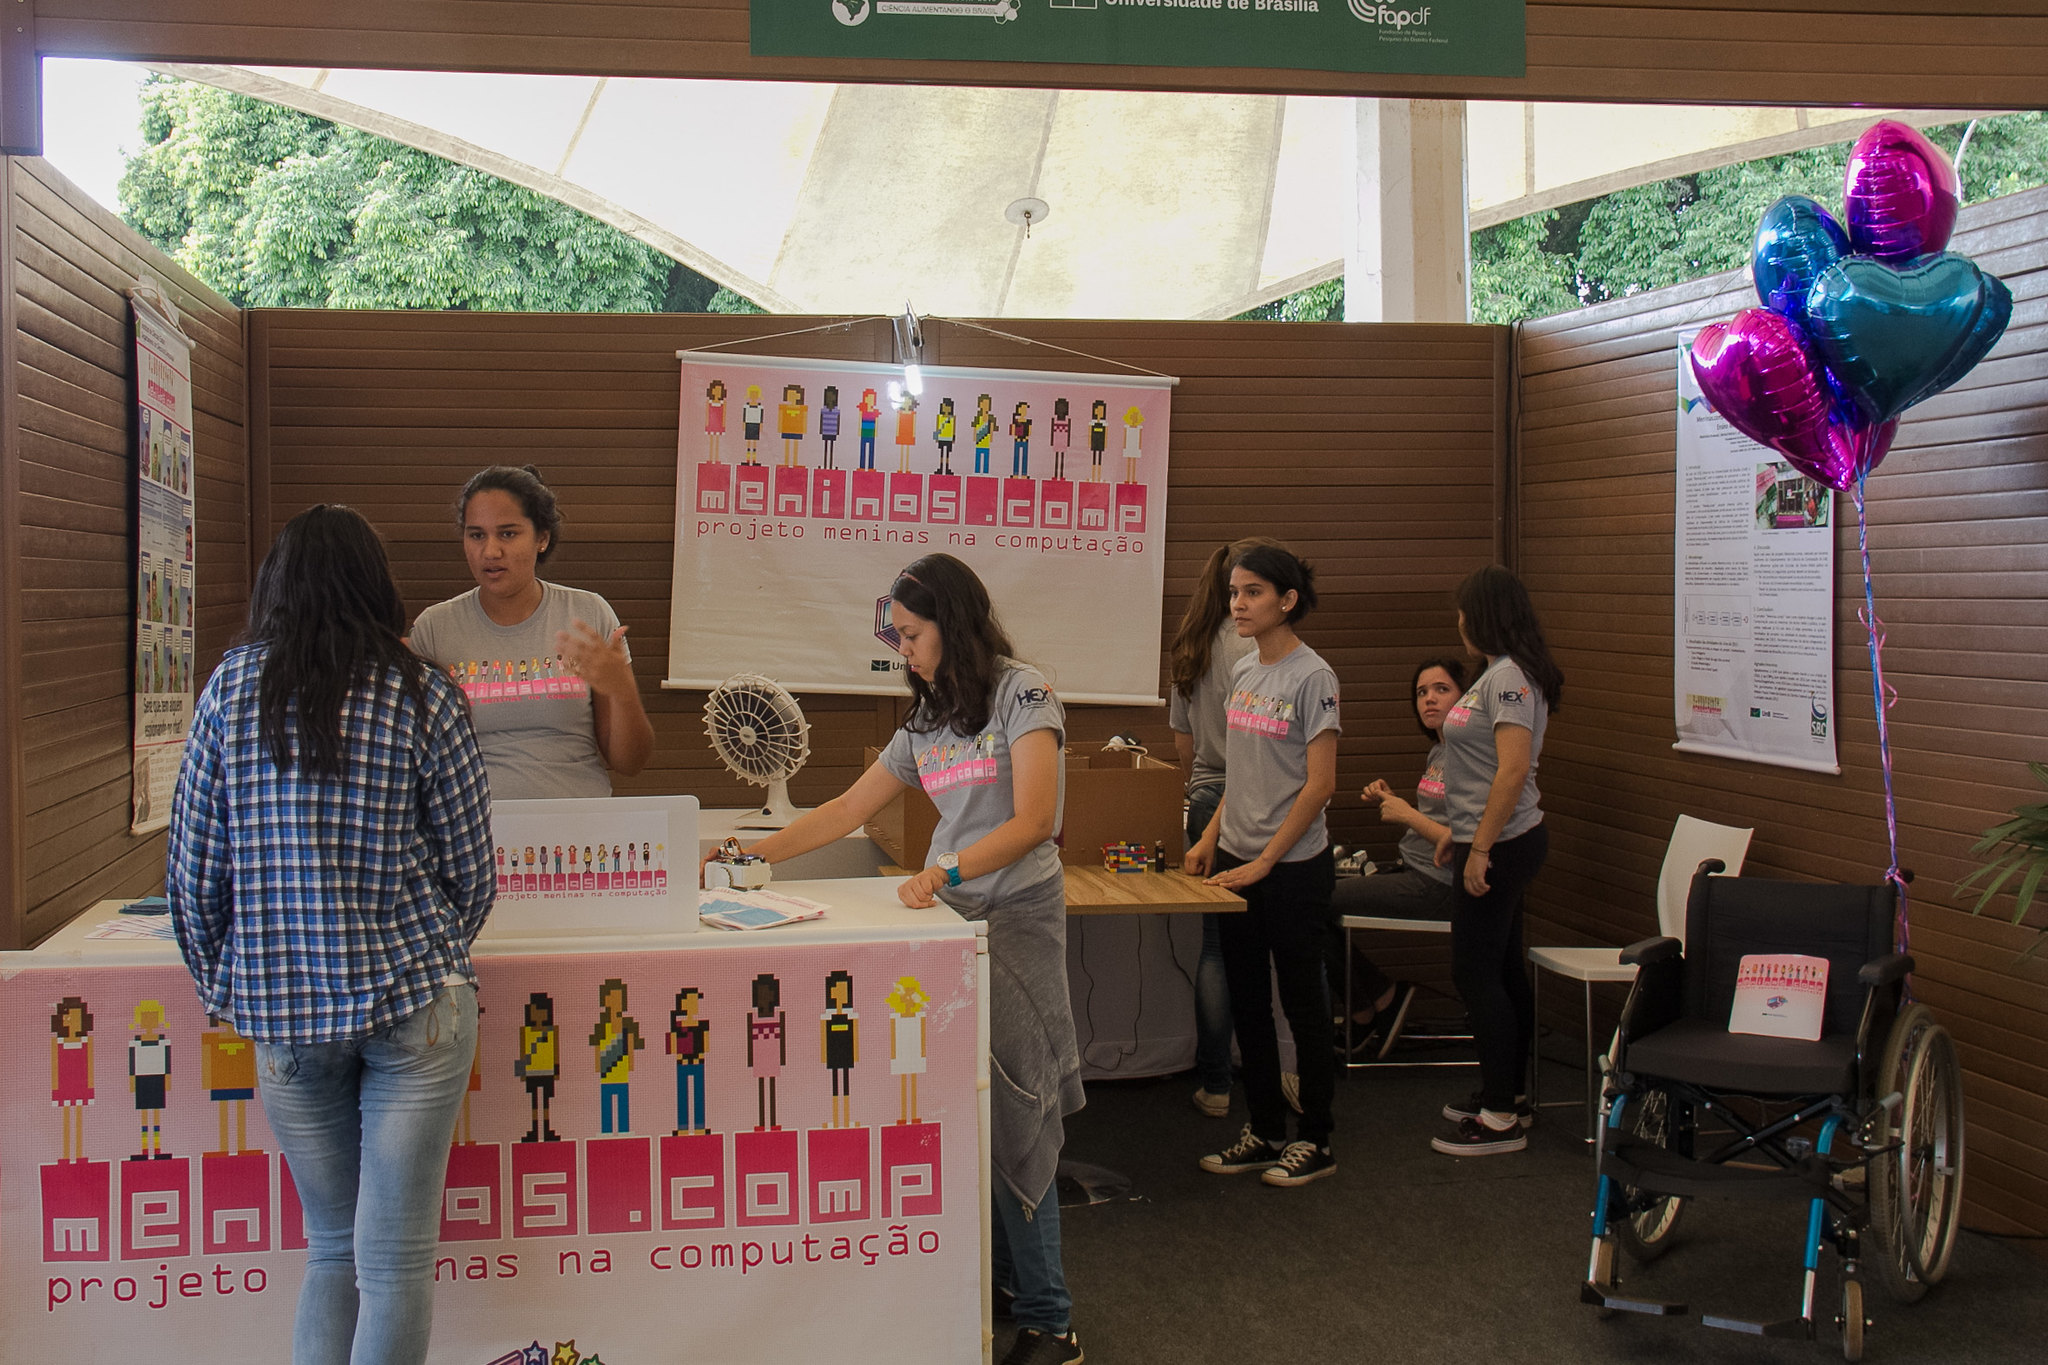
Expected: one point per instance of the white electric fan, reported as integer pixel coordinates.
(760, 733)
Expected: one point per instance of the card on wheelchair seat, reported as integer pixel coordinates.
(1780, 995)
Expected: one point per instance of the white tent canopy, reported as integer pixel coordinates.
(857, 198)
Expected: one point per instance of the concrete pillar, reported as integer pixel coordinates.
(1407, 248)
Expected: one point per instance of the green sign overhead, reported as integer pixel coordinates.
(1438, 38)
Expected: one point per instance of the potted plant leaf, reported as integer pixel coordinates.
(2018, 848)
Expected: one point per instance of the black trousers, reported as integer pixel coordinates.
(1487, 963)
(1286, 922)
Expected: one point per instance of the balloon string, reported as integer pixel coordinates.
(1883, 695)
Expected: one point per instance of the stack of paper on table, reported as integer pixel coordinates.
(763, 909)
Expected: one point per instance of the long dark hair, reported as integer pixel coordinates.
(1454, 667)
(1286, 571)
(325, 604)
(972, 646)
(1500, 619)
(536, 500)
(1208, 609)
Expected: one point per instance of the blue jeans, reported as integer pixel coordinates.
(614, 1107)
(366, 1125)
(1025, 1256)
(1212, 991)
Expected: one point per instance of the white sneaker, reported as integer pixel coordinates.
(1214, 1105)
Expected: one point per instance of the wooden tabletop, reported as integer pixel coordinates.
(1098, 891)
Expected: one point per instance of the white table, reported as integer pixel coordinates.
(635, 1244)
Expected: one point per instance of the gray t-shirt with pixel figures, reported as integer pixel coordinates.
(1502, 695)
(968, 779)
(1417, 852)
(535, 721)
(1273, 711)
(1201, 716)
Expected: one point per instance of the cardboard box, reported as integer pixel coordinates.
(1110, 796)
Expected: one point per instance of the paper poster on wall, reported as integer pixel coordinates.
(1753, 623)
(1458, 38)
(803, 487)
(757, 1150)
(164, 609)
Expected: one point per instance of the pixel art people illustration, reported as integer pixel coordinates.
(1134, 439)
(906, 429)
(536, 1065)
(614, 1041)
(71, 1071)
(828, 423)
(1060, 436)
(906, 1001)
(227, 1073)
(839, 1045)
(1098, 438)
(869, 410)
(751, 417)
(944, 428)
(688, 1041)
(984, 430)
(1020, 441)
(767, 1047)
(793, 416)
(714, 416)
(149, 1077)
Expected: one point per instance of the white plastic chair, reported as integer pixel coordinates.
(1692, 843)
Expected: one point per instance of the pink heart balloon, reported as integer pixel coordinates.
(1899, 194)
(1755, 371)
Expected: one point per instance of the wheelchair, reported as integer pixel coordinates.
(1865, 1124)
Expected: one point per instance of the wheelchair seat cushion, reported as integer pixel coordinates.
(1705, 1054)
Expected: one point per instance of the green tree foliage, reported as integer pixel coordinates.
(1318, 303)
(1666, 233)
(276, 208)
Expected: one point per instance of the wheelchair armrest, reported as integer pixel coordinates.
(1885, 970)
(1651, 950)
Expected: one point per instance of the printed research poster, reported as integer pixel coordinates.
(1753, 621)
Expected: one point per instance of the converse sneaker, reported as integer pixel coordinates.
(1034, 1347)
(1457, 1111)
(1477, 1137)
(1299, 1164)
(1249, 1153)
(1209, 1102)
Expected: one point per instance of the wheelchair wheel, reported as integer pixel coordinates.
(1916, 1187)
(1648, 1221)
(1852, 1320)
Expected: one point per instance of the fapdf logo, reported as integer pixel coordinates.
(1390, 19)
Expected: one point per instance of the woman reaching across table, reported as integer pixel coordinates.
(329, 866)
(1494, 847)
(561, 733)
(983, 740)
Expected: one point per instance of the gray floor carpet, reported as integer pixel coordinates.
(1409, 1256)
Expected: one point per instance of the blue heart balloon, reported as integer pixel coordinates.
(1991, 324)
(1796, 240)
(1890, 337)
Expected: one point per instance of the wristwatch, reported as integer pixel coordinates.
(949, 863)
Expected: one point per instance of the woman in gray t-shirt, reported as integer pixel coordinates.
(983, 741)
(546, 669)
(1493, 739)
(1269, 843)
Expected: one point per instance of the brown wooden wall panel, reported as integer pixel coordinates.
(1373, 449)
(1959, 536)
(1899, 53)
(71, 536)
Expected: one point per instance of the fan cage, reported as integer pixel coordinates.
(779, 741)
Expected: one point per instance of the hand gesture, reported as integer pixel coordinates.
(599, 660)
(922, 891)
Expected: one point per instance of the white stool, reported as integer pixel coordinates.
(1352, 923)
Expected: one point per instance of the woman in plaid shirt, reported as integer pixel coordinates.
(329, 865)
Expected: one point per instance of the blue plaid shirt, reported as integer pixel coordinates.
(318, 909)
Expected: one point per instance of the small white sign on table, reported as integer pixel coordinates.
(611, 864)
